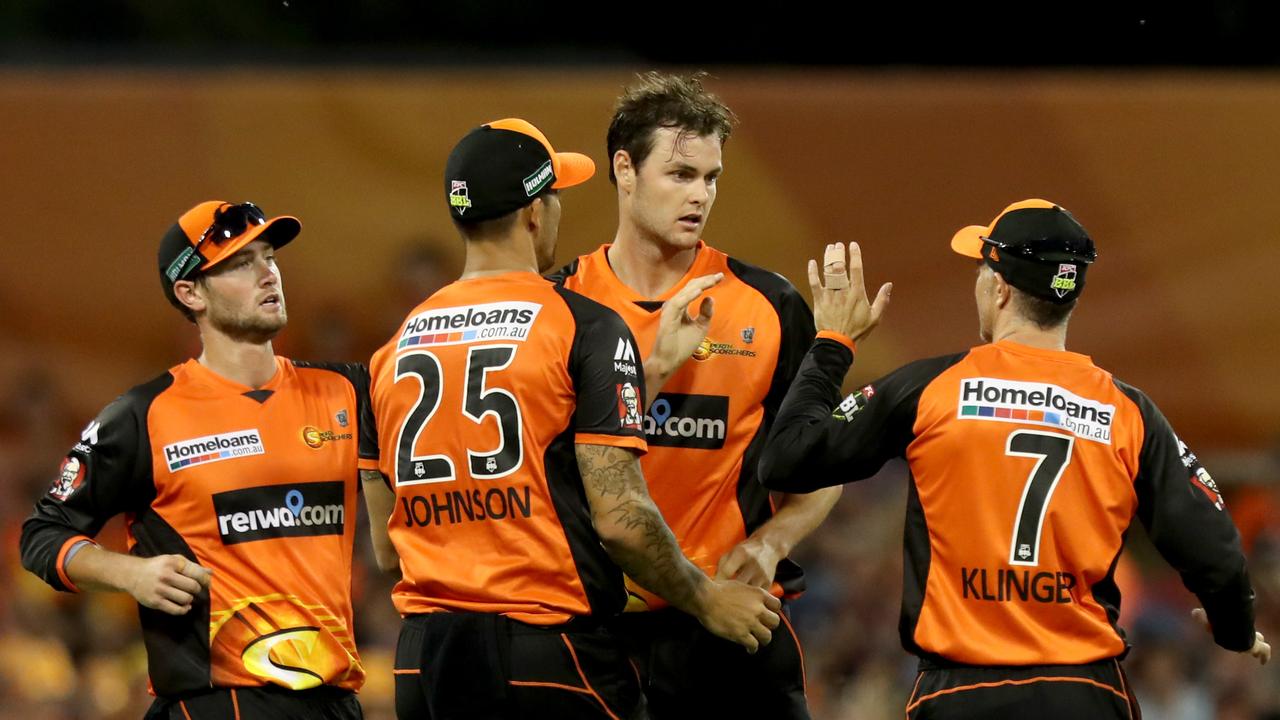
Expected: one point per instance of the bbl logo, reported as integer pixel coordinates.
(1065, 281)
(458, 197)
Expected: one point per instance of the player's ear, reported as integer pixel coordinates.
(192, 294)
(1003, 290)
(624, 171)
(532, 216)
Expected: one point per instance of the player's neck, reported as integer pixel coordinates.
(247, 363)
(647, 266)
(498, 256)
(1028, 333)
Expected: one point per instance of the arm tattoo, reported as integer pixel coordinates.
(642, 544)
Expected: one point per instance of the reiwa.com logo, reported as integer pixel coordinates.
(280, 511)
(455, 325)
(212, 448)
(687, 421)
(1037, 404)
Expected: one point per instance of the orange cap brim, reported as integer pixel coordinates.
(968, 241)
(572, 169)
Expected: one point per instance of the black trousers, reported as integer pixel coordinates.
(260, 703)
(689, 673)
(1043, 692)
(470, 666)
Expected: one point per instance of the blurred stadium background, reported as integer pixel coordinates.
(1158, 128)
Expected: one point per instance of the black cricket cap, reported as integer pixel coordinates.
(502, 166)
(1037, 247)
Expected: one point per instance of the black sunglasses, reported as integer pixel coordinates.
(1036, 250)
(231, 221)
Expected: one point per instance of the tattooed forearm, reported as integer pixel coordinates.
(632, 528)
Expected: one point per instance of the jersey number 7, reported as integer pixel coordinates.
(1053, 453)
(477, 402)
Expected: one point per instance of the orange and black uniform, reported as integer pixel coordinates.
(705, 432)
(259, 486)
(480, 399)
(1027, 468)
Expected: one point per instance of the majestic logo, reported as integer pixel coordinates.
(853, 403)
(70, 478)
(213, 448)
(1035, 403)
(624, 358)
(88, 438)
(1189, 459)
(707, 348)
(341, 417)
(687, 421)
(89, 435)
(316, 438)
(748, 335)
(280, 511)
(1065, 281)
(629, 407)
(459, 199)
(455, 325)
(539, 179)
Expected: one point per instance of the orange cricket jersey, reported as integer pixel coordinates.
(480, 399)
(1027, 467)
(706, 427)
(259, 486)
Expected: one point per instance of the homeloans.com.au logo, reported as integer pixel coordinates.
(279, 511)
(1036, 403)
(454, 325)
(212, 448)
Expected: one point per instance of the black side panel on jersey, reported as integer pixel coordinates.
(1107, 594)
(598, 379)
(796, 320)
(114, 464)
(177, 645)
(915, 568)
(601, 578)
(358, 375)
(1183, 512)
(796, 323)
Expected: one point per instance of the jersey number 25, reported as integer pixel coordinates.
(477, 402)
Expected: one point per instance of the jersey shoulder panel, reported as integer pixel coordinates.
(355, 373)
(777, 289)
(561, 276)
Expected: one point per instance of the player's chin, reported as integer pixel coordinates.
(268, 323)
(685, 236)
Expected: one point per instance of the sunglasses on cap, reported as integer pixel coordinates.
(231, 221)
(1046, 249)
